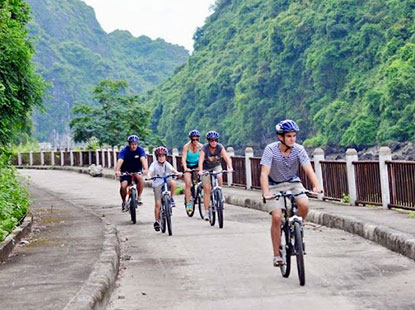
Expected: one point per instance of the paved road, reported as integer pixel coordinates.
(205, 267)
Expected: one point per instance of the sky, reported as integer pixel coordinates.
(175, 21)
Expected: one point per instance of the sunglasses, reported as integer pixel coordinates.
(213, 140)
(196, 139)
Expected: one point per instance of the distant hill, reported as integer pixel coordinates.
(343, 69)
(73, 53)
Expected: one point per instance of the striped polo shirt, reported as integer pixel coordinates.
(284, 168)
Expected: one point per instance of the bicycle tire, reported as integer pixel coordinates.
(133, 206)
(299, 252)
(164, 203)
(199, 203)
(190, 213)
(212, 215)
(168, 220)
(285, 249)
(219, 208)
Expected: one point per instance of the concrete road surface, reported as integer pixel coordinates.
(204, 267)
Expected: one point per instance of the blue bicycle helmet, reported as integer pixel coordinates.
(132, 138)
(212, 135)
(286, 126)
(194, 133)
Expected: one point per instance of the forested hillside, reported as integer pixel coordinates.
(343, 69)
(74, 54)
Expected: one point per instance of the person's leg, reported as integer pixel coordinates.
(276, 231)
(172, 185)
(123, 190)
(140, 185)
(157, 207)
(302, 203)
(206, 196)
(187, 183)
(220, 180)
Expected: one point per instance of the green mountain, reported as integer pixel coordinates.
(73, 53)
(343, 69)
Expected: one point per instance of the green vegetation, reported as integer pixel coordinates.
(117, 116)
(75, 54)
(343, 69)
(20, 87)
(14, 201)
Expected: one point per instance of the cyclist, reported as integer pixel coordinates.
(279, 165)
(132, 159)
(190, 160)
(161, 167)
(210, 159)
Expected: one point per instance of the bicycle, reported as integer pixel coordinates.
(216, 198)
(292, 234)
(195, 191)
(132, 200)
(166, 211)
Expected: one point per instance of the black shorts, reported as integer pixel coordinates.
(127, 178)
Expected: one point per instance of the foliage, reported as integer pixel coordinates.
(343, 69)
(179, 190)
(20, 87)
(74, 53)
(116, 116)
(14, 201)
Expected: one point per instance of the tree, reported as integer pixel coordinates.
(117, 115)
(20, 87)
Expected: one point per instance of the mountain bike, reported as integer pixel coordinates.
(166, 211)
(292, 234)
(216, 198)
(195, 191)
(132, 199)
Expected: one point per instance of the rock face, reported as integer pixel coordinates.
(95, 171)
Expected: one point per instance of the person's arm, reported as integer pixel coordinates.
(265, 171)
(308, 169)
(201, 160)
(118, 167)
(227, 159)
(144, 163)
(184, 156)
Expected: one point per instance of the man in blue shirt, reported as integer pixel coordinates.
(132, 159)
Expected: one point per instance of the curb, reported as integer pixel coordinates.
(392, 239)
(8, 244)
(96, 291)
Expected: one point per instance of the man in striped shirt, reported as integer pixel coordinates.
(279, 165)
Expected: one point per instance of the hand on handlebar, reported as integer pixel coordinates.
(117, 173)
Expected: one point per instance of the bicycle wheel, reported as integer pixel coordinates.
(299, 252)
(168, 220)
(219, 208)
(285, 249)
(193, 192)
(164, 203)
(133, 206)
(199, 203)
(212, 216)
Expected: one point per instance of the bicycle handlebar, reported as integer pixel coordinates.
(288, 194)
(132, 173)
(162, 177)
(216, 173)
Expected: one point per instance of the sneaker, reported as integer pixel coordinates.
(139, 201)
(277, 261)
(206, 216)
(189, 207)
(124, 207)
(172, 203)
(156, 226)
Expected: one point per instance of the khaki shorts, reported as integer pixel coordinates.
(294, 187)
(206, 178)
(157, 190)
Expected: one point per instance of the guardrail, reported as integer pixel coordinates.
(383, 182)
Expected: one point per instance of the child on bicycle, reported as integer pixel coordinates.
(161, 167)
(279, 165)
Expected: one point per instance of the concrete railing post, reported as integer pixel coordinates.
(318, 156)
(71, 157)
(385, 154)
(351, 156)
(175, 153)
(231, 153)
(114, 151)
(19, 158)
(62, 158)
(89, 157)
(81, 160)
(109, 157)
(52, 157)
(97, 156)
(42, 158)
(249, 153)
(31, 158)
(103, 157)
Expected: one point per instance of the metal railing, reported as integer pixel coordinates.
(401, 184)
(335, 179)
(368, 188)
